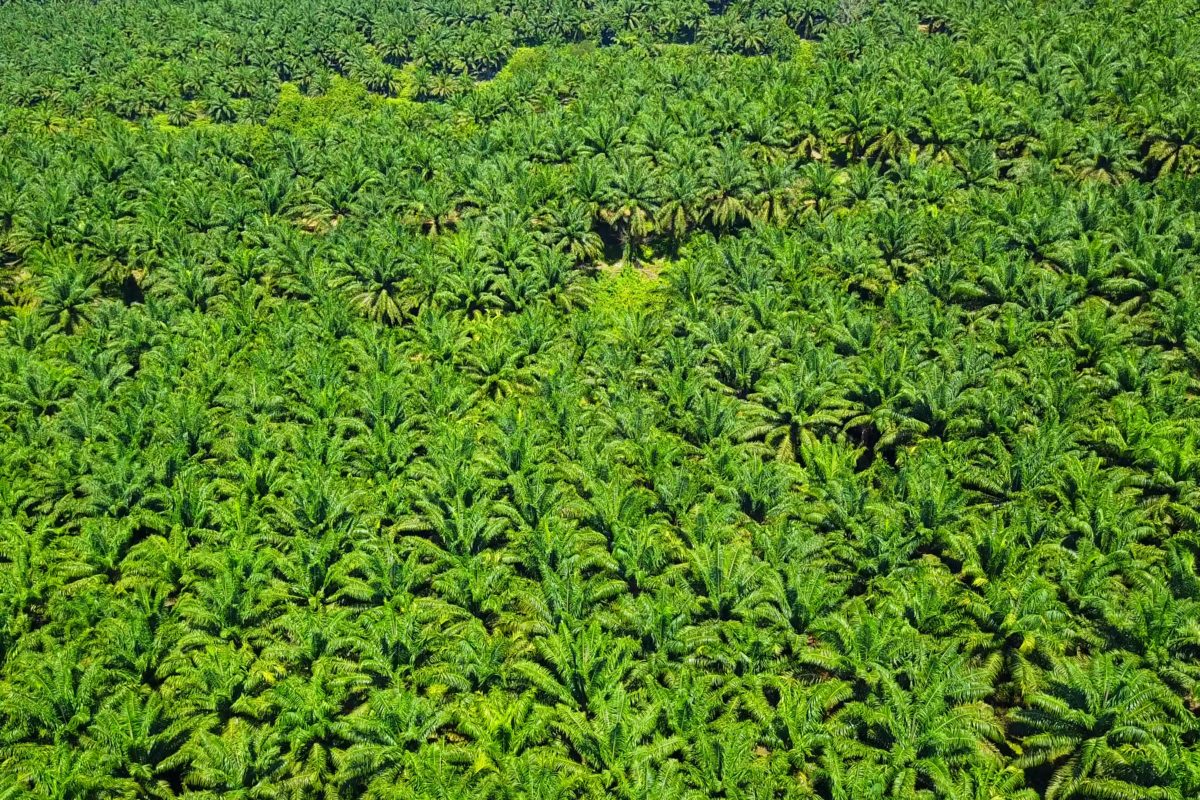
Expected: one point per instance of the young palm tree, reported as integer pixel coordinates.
(1104, 726)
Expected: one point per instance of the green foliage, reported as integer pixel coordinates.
(761, 400)
(343, 103)
(626, 290)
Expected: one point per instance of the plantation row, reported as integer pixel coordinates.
(645, 422)
(226, 59)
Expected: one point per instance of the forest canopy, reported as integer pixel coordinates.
(561, 400)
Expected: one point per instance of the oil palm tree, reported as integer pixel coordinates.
(1104, 727)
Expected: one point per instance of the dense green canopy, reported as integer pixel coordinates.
(531, 400)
